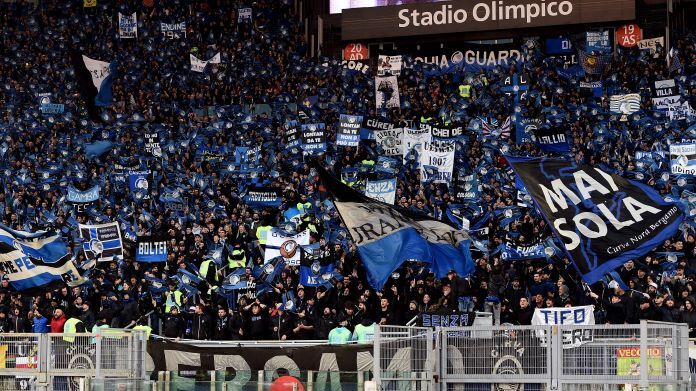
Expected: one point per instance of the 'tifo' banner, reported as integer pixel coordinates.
(602, 219)
(102, 243)
(683, 158)
(384, 191)
(572, 338)
(151, 250)
(349, 130)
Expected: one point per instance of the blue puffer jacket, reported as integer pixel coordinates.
(40, 325)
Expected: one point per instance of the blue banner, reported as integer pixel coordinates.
(263, 197)
(52, 108)
(560, 45)
(149, 250)
(314, 138)
(511, 252)
(82, 197)
(598, 41)
(603, 220)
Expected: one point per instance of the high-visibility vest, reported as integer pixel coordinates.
(368, 162)
(425, 119)
(465, 91)
(146, 329)
(262, 233)
(203, 270)
(236, 259)
(171, 302)
(70, 327)
(364, 334)
(98, 330)
(484, 80)
(339, 335)
(304, 207)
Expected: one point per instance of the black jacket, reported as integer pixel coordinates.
(201, 327)
(172, 326)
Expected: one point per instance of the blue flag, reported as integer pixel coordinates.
(386, 236)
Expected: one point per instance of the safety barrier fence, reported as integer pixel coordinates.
(596, 357)
(67, 361)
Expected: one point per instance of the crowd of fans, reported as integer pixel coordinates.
(264, 61)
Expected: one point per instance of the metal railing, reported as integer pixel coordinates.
(404, 357)
(597, 357)
(69, 359)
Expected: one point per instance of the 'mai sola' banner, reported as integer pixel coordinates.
(602, 219)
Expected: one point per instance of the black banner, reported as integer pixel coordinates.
(174, 356)
(446, 319)
(292, 134)
(602, 219)
(444, 131)
(551, 139)
(264, 196)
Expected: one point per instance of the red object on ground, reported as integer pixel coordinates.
(285, 383)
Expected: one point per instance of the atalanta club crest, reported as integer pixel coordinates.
(288, 249)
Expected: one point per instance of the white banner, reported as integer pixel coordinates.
(389, 65)
(414, 139)
(682, 159)
(681, 111)
(391, 141)
(651, 44)
(288, 247)
(437, 162)
(384, 191)
(624, 104)
(387, 92)
(583, 315)
(243, 14)
(196, 64)
(666, 94)
(128, 25)
(572, 338)
(98, 69)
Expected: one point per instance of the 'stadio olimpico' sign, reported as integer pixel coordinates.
(466, 15)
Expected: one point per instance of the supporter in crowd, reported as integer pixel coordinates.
(198, 206)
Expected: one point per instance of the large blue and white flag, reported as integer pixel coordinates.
(387, 236)
(102, 243)
(35, 261)
(603, 220)
(102, 76)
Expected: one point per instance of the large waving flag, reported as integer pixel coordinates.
(94, 79)
(603, 220)
(387, 236)
(35, 261)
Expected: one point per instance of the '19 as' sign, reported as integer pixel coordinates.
(355, 51)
